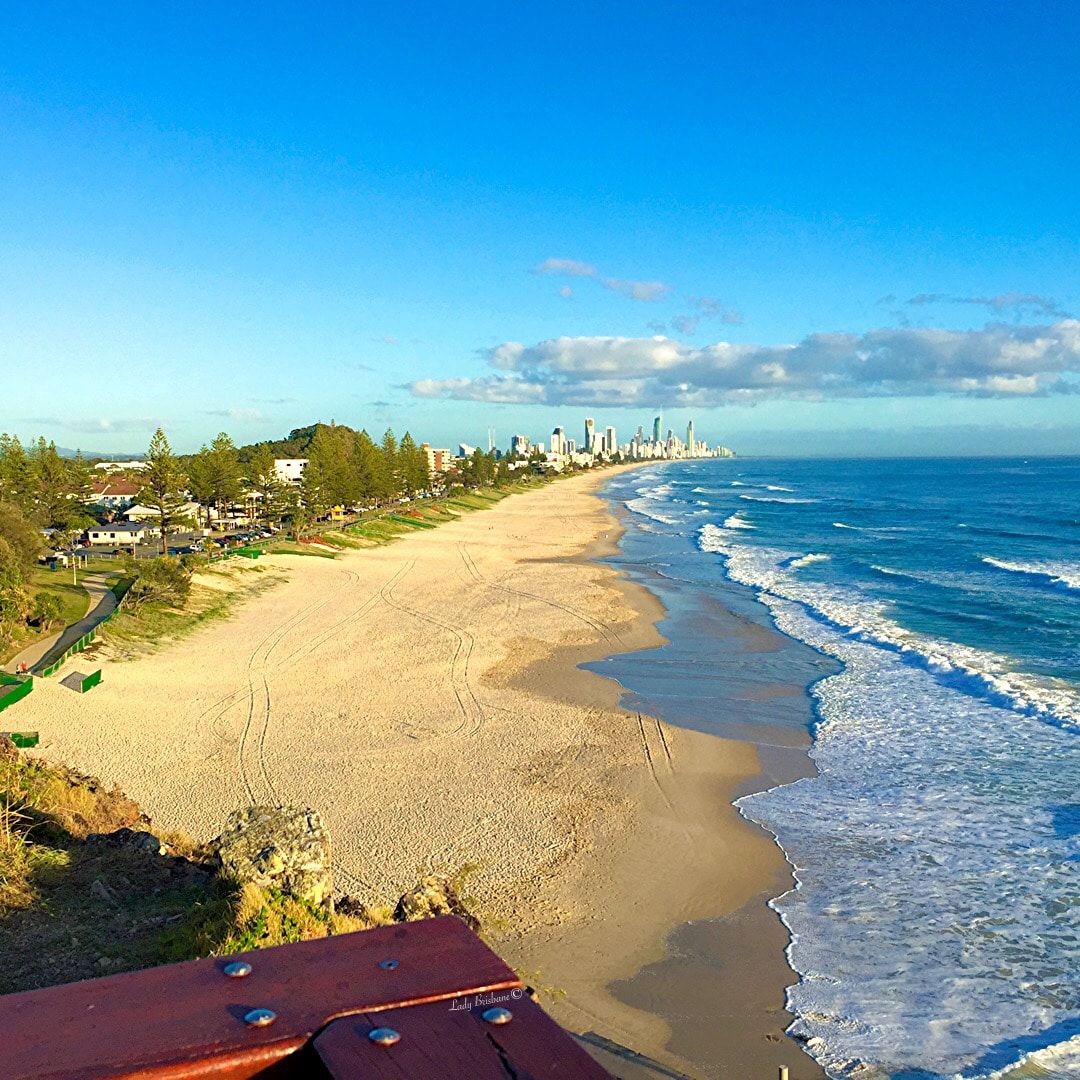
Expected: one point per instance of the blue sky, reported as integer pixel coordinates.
(846, 228)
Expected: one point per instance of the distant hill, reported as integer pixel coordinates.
(97, 455)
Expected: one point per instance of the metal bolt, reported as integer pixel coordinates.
(497, 1016)
(237, 970)
(384, 1036)
(260, 1018)
(388, 965)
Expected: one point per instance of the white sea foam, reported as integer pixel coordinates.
(936, 767)
(651, 508)
(976, 672)
(806, 560)
(841, 525)
(890, 572)
(776, 499)
(1062, 574)
(1052, 1062)
(777, 487)
(734, 522)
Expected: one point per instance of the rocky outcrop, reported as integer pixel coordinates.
(433, 896)
(286, 849)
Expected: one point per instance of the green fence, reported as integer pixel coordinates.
(85, 640)
(13, 688)
(77, 647)
(91, 681)
(24, 740)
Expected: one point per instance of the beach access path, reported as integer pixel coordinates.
(102, 605)
(424, 698)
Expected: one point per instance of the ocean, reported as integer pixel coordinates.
(932, 609)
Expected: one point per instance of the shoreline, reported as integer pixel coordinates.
(691, 956)
(427, 699)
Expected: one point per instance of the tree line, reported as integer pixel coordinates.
(41, 489)
(38, 489)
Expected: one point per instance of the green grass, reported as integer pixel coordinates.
(412, 522)
(288, 547)
(74, 599)
(120, 584)
(74, 604)
(135, 631)
(72, 909)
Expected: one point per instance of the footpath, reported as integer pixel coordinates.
(102, 605)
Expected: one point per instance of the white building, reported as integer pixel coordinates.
(119, 533)
(290, 470)
(113, 467)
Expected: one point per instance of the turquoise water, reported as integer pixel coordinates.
(936, 918)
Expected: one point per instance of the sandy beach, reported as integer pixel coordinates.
(425, 699)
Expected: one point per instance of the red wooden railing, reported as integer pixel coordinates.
(447, 1006)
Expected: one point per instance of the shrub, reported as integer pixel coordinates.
(162, 580)
(45, 609)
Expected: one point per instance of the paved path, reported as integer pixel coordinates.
(102, 604)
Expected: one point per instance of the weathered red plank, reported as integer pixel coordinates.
(450, 1040)
(186, 1020)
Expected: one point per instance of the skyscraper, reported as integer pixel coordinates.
(690, 448)
(590, 435)
(558, 441)
(656, 427)
(609, 440)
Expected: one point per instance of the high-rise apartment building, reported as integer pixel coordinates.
(590, 435)
(657, 425)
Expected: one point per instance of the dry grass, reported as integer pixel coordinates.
(75, 904)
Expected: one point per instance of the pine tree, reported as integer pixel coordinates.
(412, 466)
(16, 473)
(163, 486)
(225, 472)
(391, 482)
(370, 470)
(201, 480)
(267, 484)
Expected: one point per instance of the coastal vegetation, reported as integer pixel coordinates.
(46, 501)
(79, 897)
(89, 887)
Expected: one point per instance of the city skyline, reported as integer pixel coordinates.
(228, 222)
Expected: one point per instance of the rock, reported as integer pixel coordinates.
(133, 838)
(351, 906)
(8, 750)
(286, 849)
(433, 896)
(103, 892)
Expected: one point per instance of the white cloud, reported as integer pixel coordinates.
(686, 324)
(637, 290)
(566, 292)
(630, 288)
(995, 361)
(568, 267)
(996, 304)
(242, 416)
